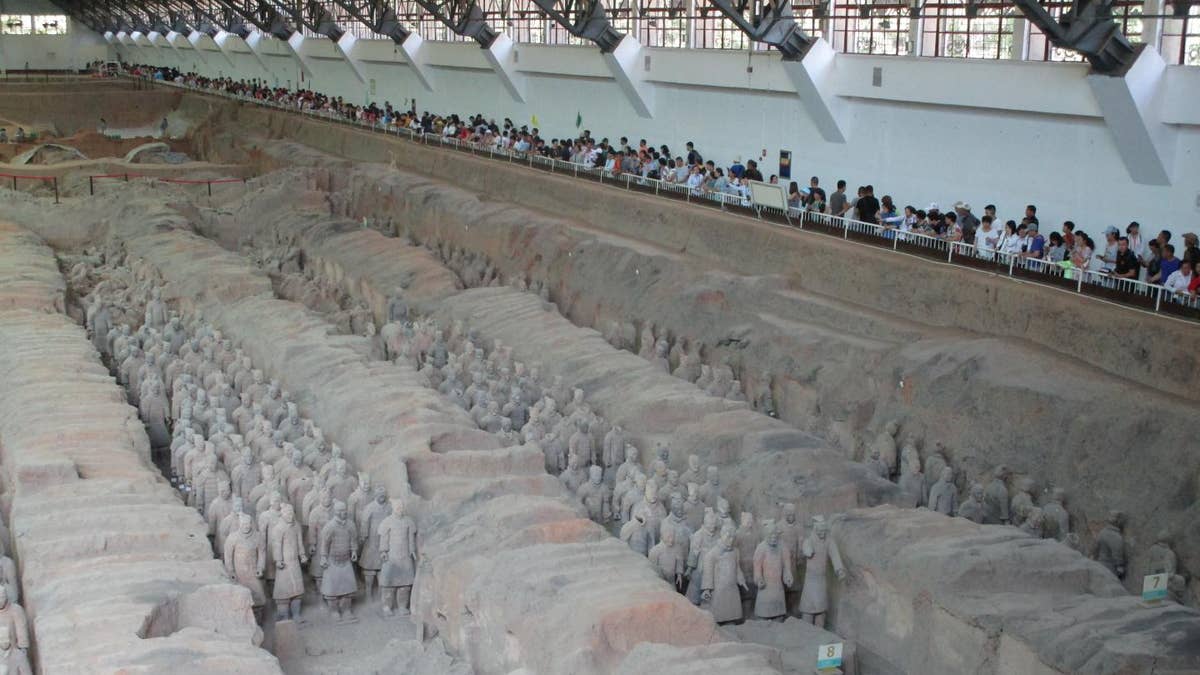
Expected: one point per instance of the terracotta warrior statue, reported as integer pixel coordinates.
(287, 549)
(773, 567)
(972, 508)
(996, 500)
(613, 447)
(711, 490)
(912, 484)
(694, 474)
(722, 578)
(13, 621)
(1057, 522)
(637, 535)
(373, 514)
(321, 513)
(398, 554)
(877, 465)
(156, 310)
(9, 578)
(596, 496)
(245, 560)
(651, 510)
(1109, 549)
(943, 496)
(218, 509)
(703, 540)
(339, 552)
(665, 558)
(885, 443)
(819, 550)
(13, 661)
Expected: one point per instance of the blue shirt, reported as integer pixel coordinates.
(1038, 244)
(1167, 267)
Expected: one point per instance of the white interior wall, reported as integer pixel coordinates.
(937, 130)
(72, 51)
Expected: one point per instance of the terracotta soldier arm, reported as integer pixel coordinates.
(788, 565)
(760, 578)
(22, 627)
(708, 576)
(228, 557)
(300, 551)
(835, 556)
(324, 547)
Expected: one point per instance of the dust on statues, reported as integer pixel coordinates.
(773, 566)
(13, 622)
(287, 549)
(820, 552)
(397, 535)
(246, 560)
(722, 578)
(373, 515)
(339, 552)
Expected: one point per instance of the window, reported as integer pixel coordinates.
(340, 17)
(1181, 39)
(16, 24)
(948, 30)
(50, 24)
(663, 23)
(522, 20)
(866, 27)
(1127, 14)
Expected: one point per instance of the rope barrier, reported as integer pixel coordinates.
(44, 179)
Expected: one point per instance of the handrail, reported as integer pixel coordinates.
(1132, 292)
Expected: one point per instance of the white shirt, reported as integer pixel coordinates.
(1138, 246)
(1010, 244)
(1177, 282)
(986, 240)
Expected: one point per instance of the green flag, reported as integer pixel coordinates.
(578, 120)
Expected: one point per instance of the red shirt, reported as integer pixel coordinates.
(1195, 285)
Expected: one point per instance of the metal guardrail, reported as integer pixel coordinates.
(1093, 283)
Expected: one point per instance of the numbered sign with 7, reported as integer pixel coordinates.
(1154, 587)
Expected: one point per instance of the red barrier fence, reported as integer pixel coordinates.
(183, 181)
(44, 179)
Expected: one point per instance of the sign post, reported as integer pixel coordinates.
(829, 658)
(1154, 588)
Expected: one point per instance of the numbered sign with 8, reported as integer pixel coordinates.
(829, 656)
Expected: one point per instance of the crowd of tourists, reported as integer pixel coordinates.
(1158, 258)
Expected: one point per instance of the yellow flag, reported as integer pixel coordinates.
(535, 122)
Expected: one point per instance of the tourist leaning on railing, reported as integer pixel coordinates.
(1180, 283)
(1056, 252)
(957, 229)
